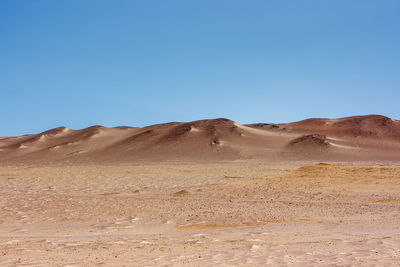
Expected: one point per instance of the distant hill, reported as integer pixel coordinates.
(358, 138)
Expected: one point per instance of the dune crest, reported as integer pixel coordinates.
(363, 138)
(356, 126)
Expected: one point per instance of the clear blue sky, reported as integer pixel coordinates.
(79, 62)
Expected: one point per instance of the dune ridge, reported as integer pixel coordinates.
(372, 137)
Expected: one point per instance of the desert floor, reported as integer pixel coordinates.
(228, 214)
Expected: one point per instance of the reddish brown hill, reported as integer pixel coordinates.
(365, 126)
(192, 140)
(211, 140)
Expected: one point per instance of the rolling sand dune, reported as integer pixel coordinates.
(357, 126)
(203, 193)
(363, 138)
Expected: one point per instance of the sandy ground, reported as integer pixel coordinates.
(230, 214)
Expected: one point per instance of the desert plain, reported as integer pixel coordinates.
(203, 194)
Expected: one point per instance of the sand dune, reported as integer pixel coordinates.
(356, 126)
(208, 192)
(372, 138)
